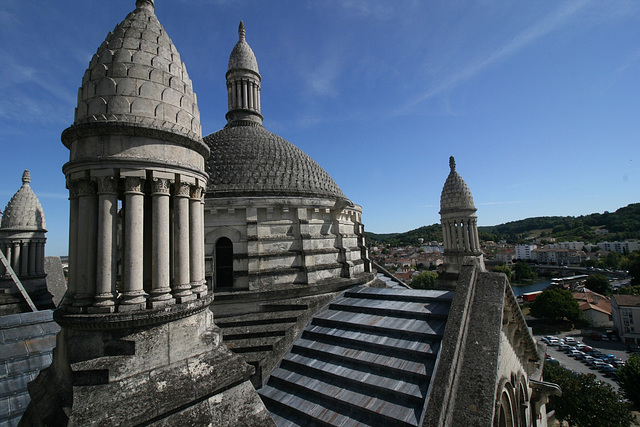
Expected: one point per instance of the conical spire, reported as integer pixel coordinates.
(455, 193)
(241, 32)
(148, 4)
(24, 210)
(243, 82)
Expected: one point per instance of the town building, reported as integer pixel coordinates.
(595, 307)
(625, 310)
(620, 247)
(305, 332)
(524, 251)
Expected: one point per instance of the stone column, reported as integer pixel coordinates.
(133, 297)
(4, 252)
(86, 256)
(40, 258)
(181, 280)
(73, 244)
(465, 231)
(33, 246)
(160, 274)
(196, 237)
(8, 254)
(15, 262)
(24, 258)
(104, 301)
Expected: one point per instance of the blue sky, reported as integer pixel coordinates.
(538, 101)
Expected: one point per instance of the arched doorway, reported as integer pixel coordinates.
(224, 263)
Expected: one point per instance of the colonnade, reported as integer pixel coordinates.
(243, 94)
(25, 255)
(461, 235)
(136, 240)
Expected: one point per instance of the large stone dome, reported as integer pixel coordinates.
(455, 195)
(136, 78)
(248, 160)
(24, 211)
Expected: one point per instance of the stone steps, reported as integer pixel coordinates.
(257, 336)
(366, 359)
(313, 396)
(375, 361)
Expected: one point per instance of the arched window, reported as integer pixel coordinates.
(506, 415)
(224, 263)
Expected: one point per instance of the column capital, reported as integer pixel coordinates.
(107, 185)
(196, 192)
(181, 189)
(133, 185)
(85, 187)
(160, 186)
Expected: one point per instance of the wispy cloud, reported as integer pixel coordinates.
(323, 79)
(381, 10)
(512, 202)
(509, 48)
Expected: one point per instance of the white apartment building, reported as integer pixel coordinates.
(524, 251)
(620, 247)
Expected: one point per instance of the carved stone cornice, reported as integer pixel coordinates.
(132, 319)
(85, 130)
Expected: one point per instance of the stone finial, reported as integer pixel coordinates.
(26, 177)
(452, 163)
(241, 31)
(141, 4)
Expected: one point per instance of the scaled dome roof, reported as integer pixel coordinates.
(248, 160)
(24, 212)
(455, 195)
(137, 78)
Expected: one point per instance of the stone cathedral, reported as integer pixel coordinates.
(225, 280)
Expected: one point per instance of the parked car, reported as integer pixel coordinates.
(584, 347)
(617, 363)
(609, 371)
(596, 364)
(605, 366)
(575, 353)
(554, 342)
(604, 337)
(564, 347)
(595, 336)
(570, 340)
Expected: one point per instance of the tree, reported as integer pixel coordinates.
(523, 271)
(598, 283)
(613, 260)
(503, 269)
(585, 401)
(425, 280)
(555, 304)
(629, 379)
(634, 271)
(628, 290)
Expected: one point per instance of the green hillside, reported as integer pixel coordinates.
(622, 224)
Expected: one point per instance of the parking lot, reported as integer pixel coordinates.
(607, 347)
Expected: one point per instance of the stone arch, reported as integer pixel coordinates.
(506, 405)
(223, 261)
